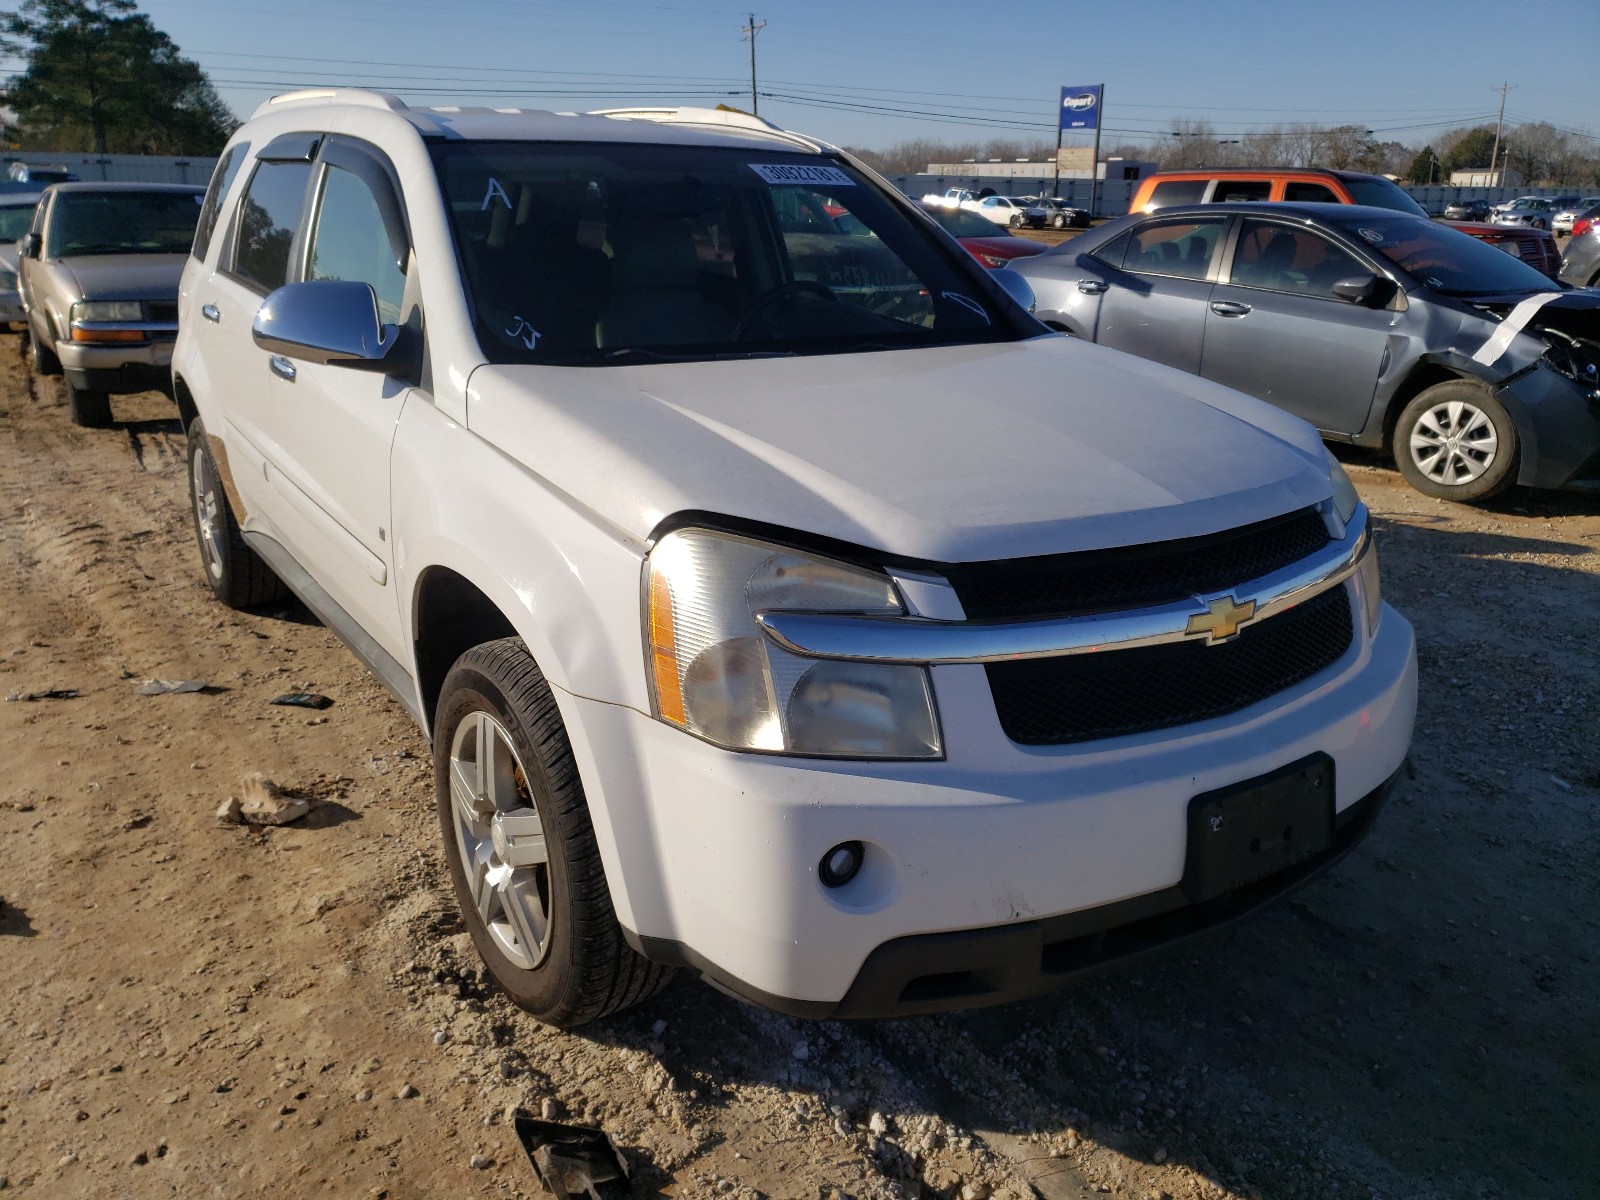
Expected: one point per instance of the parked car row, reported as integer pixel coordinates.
(648, 475)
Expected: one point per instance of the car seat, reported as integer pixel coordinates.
(656, 298)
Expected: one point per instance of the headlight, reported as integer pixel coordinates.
(1345, 499)
(716, 675)
(1345, 503)
(108, 310)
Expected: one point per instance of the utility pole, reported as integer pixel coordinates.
(750, 31)
(1499, 179)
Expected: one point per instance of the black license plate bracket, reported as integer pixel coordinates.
(1243, 833)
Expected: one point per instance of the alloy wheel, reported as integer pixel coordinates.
(208, 515)
(500, 838)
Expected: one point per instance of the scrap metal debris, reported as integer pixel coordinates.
(163, 687)
(303, 700)
(571, 1161)
(50, 694)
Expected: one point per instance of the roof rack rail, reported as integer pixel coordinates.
(364, 97)
(726, 118)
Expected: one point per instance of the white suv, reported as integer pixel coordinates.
(781, 599)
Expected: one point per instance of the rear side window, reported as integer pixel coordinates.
(1312, 193)
(211, 208)
(1178, 248)
(1113, 252)
(1177, 191)
(267, 220)
(1230, 190)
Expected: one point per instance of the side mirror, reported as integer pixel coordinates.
(1359, 289)
(325, 321)
(1015, 286)
(28, 245)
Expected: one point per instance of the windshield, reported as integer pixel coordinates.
(121, 223)
(604, 254)
(15, 220)
(1526, 204)
(960, 222)
(1446, 259)
(1383, 193)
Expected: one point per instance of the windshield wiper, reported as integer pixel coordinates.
(645, 354)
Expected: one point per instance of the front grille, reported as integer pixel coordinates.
(163, 311)
(1135, 576)
(1082, 697)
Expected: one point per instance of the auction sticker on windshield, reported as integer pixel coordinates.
(794, 173)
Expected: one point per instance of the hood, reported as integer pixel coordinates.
(127, 276)
(942, 455)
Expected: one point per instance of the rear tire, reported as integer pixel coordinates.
(91, 409)
(1455, 441)
(235, 573)
(521, 848)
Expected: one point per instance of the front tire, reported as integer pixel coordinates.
(235, 573)
(89, 408)
(41, 358)
(1059, 220)
(1016, 221)
(521, 848)
(1455, 441)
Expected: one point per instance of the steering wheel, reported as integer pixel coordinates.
(761, 310)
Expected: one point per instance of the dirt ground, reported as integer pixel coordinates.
(191, 1010)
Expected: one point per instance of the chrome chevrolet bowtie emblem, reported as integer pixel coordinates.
(1222, 619)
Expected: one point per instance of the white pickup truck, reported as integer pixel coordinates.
(748, 641)
(952, 198)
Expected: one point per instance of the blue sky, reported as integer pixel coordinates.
(874, 72)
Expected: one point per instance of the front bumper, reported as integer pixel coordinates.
(118, 367)
(1559, 425)
(713, 855)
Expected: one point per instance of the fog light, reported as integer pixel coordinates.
(841, 864)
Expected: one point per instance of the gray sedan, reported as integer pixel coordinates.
(1580, 264)
(1379, 328)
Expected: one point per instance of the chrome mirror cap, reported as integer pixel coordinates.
(324, 321)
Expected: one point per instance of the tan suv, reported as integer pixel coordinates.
(98, 275)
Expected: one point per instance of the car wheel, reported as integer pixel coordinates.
(235, 573)
(89, 408)
(521, 846)
(41, 358)
(1456, 442)
(1016, 220)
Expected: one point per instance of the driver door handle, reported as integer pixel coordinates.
(211, 312)
(282, 367)
(1229, 308)
(1091, 287)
